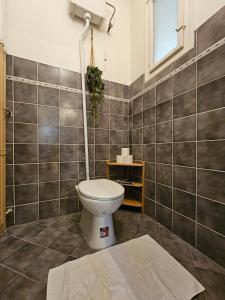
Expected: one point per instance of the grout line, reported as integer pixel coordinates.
(187, 192)
(172, 169)
(11, 281)
(218, 233)
(13, 121)
(59, 123)
(38, 152)
(19, 274)
(155, 151)
(196, 146)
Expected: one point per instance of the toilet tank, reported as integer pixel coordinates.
(77, 8)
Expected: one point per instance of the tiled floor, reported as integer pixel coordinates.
(30, 250)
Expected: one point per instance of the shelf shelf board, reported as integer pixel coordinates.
(131, 202)
(134, 164)
(134, 184)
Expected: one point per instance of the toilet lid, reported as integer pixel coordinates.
(101, 189)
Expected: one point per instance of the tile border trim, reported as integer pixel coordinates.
(181, 68)
(58, 87)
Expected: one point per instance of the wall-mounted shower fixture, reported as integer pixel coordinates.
(110, 21)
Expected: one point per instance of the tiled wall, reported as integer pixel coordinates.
(45, 141)
(177, 126)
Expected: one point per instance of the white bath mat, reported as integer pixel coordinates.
(136, 270)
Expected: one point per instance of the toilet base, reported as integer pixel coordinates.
(97, 231)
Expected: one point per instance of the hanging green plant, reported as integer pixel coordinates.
(96, 87)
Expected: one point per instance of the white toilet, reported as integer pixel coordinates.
(100, 199)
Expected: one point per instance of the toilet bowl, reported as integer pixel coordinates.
(100, 198)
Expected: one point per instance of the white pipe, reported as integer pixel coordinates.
(87, 18)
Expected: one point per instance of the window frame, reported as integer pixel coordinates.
(152, 65)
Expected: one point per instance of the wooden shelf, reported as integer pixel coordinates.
(134, 164)
(128, 201)
(134, 184)
(132, 202)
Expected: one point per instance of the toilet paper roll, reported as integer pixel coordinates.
(125, 151)
(128, 159)
(120, 159)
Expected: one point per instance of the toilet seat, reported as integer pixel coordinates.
(100, 189)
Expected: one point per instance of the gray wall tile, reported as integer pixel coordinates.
(184, 179)
(164, 111)
(48, 115)
(26, 193)
(150, 189)
(149, 117)
(48, 74)
(48, 172)
(150, 171)
(184, 129)
(48, 153)
(184, 104)
(185, 80)
(210, 66)
(164, 132)
(211, 31)
(211, 185)
(67, 188)
(26, 213)
(48, 209)
(211, 214)
(48, 96)
(25, 153)
(211, 155)
(211, 95)
(115, 89)
(164, 153)
(138, 85)
(211, 243)
(25, 68)
(149, 134)
(137, 104)
(184, 228)
(164, 90)
(25, 113)
(24, 92)
(48, 134)
(164, 174)
(70, 79)
(25, 133)
(137, 121)
(26, 173)
(138, 136)
(69, 153)
(48, 190)
(211, 125)
(68, 205)
(164, 195)
(164, 216)
(184, 203)
(149, 99)
(184, 154)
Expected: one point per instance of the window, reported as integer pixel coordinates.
(167, 30)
